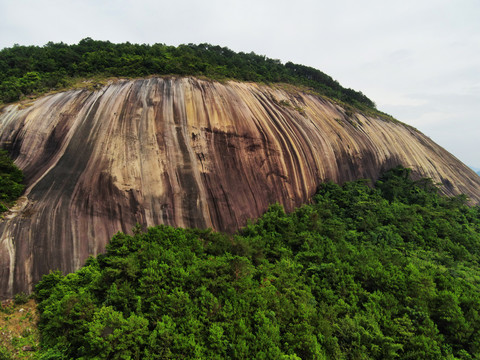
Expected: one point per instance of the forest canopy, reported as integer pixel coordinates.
(383, 272)
(26, 70)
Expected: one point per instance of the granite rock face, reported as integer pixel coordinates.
(184, 152)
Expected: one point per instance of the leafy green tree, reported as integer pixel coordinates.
(360, 273)
(11, 178)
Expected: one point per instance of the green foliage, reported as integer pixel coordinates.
(389, 272)
(21, 298)
(5, 354)
(11, 178)
(26, 70)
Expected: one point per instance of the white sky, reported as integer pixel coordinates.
(419, 60)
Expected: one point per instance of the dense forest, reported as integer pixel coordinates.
(389, 271)
(26, 70)
(11, 178)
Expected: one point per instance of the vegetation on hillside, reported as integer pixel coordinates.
(26, 70)
(18, 329)
(11, 178)
(390, 272)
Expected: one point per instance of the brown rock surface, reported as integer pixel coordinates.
(184, 152)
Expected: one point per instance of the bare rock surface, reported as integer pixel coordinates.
(184, 152)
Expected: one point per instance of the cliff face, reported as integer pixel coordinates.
(184, 152)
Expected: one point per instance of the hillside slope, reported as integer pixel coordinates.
(184, 152)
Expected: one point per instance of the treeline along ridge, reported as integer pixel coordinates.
(26, 70)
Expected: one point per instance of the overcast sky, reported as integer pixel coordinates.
(419, 60)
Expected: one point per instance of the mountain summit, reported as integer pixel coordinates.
(171, 147)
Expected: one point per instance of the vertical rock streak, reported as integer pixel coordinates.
(185, 152)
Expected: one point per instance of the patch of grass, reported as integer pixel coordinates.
(18, 330)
